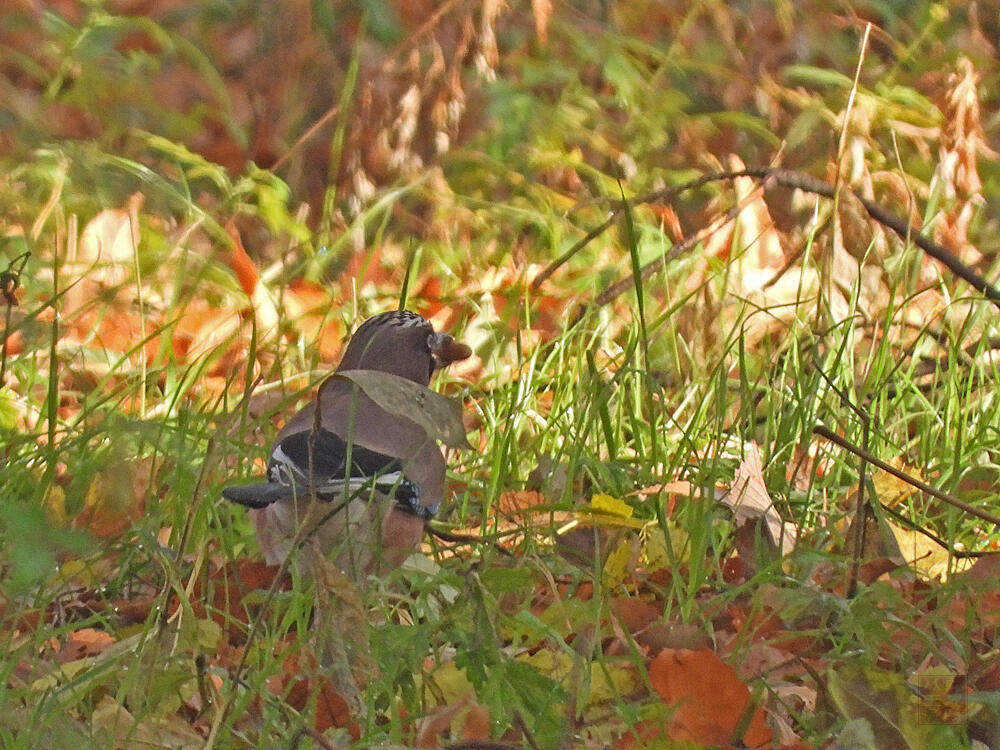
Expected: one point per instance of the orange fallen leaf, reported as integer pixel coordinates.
(204, 330)
(635, 614)
(84, 642)
(476, 725)
(332, 709)
(307, 309)
(670, 220)
(515, 502)
(14, 344)
(240, 262)
(223, 597)
(464, 716)
(709, 698)
(437, 721)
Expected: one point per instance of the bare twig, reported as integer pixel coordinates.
(447, 536)
(659, 196)
(10, 280)
(913, 526)
(833, 437)
(676, 251)
(790, 179)
(860, 513)
(295, 741)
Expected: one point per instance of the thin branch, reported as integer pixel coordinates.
(972, 510)
(796, 180)
(659, 196)
(676, 251)
(447, 536)
(917, 528)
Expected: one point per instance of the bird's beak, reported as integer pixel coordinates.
(446, 350)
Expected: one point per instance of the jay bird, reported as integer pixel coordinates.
(378, 476)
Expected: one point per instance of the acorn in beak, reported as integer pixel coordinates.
(446, 350)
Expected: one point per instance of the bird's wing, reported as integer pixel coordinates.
(348, 413)
(258, 495)
(323, 455)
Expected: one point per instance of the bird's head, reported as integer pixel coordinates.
(402, 343)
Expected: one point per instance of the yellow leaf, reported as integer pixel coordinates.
(616, 567)
(61, 674)
(55, 499)
(611, 505)
(556, 665)
(890, 490)
(452, 682)
(654, 545)
(78, 570)
(209, 635)
(610, 683)
(928, 557)
(605, 511)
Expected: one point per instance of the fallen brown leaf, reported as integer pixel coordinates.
(709, 698)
